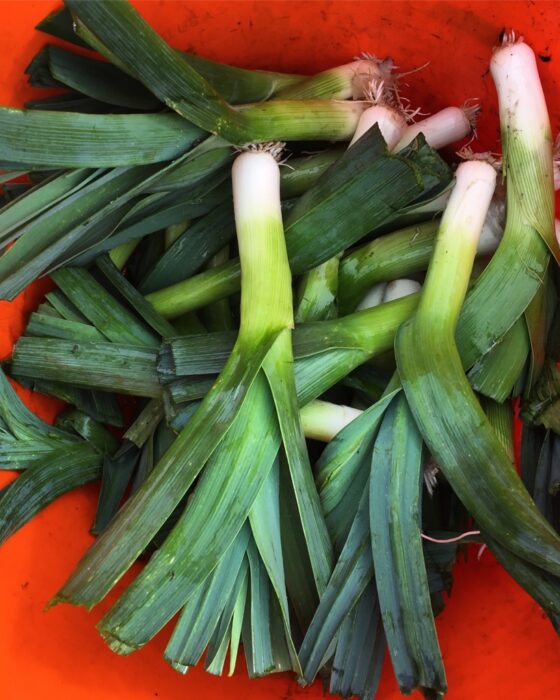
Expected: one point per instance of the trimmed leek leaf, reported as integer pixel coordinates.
(47, 309)
(222, 497)
(64, 307)
(96, 79)
(152, 213)
(201, 164)
(264, 642)
(264, 519)
(191, 355)
(61, 471)
(125, 369)
(351, 575)
(279, 370)
(298, 574)
(48, 237)
(543, 490)
(236, 85)
(40, 198)
(202, 612)
(192, 249)
(119, 33)
(52, 327)
(402, 584)
(144, 309)
(497, 373)
(343, 470)
(52, 140)
(360, 649)
(532, 442)
(229, 630)
(257, 641)
(102, 309)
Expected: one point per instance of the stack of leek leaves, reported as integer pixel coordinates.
(315, 572)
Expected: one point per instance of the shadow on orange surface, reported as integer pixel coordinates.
(496, 642)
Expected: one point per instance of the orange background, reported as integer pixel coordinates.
(495, 640)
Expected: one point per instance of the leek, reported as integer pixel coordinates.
(429, 338)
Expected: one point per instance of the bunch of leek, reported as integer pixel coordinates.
(162, 200)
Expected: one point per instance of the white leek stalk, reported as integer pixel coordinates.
(397, 289)
(323, 420)
(373, 298)
(389, 117)
(384, 292)
(443, 128)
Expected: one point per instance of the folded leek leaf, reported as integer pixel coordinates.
(362, 190)
(499, 373)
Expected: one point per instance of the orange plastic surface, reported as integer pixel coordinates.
(496, 642)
